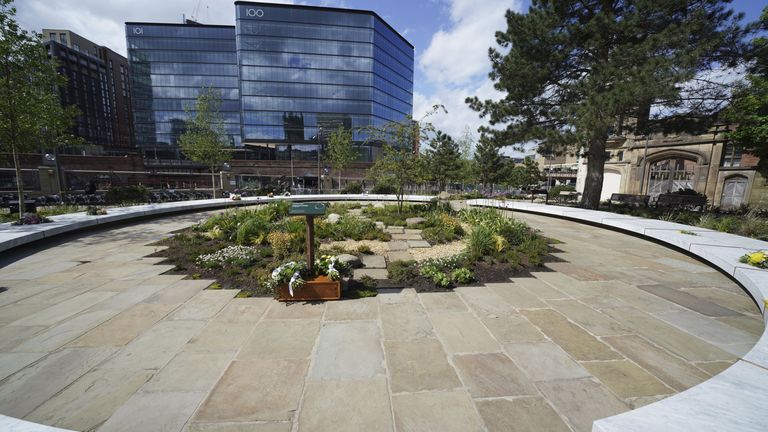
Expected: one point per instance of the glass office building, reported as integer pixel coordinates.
(170, 65)
(289, 75)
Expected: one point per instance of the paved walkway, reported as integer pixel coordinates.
(93, 336)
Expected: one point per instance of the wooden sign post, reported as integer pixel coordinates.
(310, 210)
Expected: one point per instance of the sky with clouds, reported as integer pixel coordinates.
(451, 37)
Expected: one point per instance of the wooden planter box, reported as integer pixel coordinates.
(319, 288)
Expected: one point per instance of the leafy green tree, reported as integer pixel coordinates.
(339, 151)
(489, 165)
(397, 167)
(525, 175)
(443, 160)
(749, 108)
(204, 139)
(575, 73)
(31, 115)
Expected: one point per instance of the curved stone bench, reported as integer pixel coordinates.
(734, 400)
(13, 235)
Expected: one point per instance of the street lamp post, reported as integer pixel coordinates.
(319, 147)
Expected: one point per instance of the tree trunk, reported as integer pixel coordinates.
(213, 183)
(339, 181)
(19, 182)
(593, 184)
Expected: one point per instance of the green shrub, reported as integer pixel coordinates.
(554, 192)
(462, 275)
(383, 189)
(352, 188)
(402, 271)
(364, 249)
(127, 195)
(480, 242)
(534, 249)
(351, 227)
(251, 229)
(368, 282)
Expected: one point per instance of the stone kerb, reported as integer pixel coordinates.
(734, 400)
(12, 236)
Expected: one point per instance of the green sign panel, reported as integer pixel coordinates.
(301, 209)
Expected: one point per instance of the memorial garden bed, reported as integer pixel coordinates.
(240, 249)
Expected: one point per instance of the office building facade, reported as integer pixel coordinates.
(98, 85)
(288, 76)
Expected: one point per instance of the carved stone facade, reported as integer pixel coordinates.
(706, 163)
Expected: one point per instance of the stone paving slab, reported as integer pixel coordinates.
(375, 273)
(11, 363)
(298, 310)
(418, 244)
(406, 236)
(63, 310)
(670, 369)
(374, 261)
(528, 414)
(220, 337)
(667, 336)
(544, 361)
(461, 332)
(449, 411)
(492, 375)
(399, 256)
(281, 339)
(252, 391)
(27, 389)
(591, 320)
(539, 288)
(577, 342)
(515, 296)
(239, 427)
(124, 327)
(325, 403)
(419, 365)
(581, 401)
(626, 379)
(160, 411)
(190, 371)
(405, 321)
(90, 400)
(442, 302)
(513, 328)
(348, 351)
(361, 309)
(57, 336)
(737, 302)
(204, 305)
(397, 245)
(484, 302)
(689, 301)
(395, 230)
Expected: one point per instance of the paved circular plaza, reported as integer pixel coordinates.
(94, 336)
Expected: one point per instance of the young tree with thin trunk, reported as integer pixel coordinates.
(204, 139)
(575, 73)
(489, 164)
(31, 115)
(339, 151)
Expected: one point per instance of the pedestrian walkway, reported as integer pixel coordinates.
(93, 336)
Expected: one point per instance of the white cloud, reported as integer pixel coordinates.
(460, 53)
(455, 65)
(103, 22)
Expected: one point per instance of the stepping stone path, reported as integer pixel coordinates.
(397, 245)
(374, 261)
(418, 244)
(399, 256)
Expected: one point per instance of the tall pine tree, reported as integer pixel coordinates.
(574, 73)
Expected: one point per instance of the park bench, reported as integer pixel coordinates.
(629, 199)
(678, 201)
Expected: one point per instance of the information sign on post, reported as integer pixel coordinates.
(310, 210)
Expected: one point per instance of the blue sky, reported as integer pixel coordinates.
(451, 37)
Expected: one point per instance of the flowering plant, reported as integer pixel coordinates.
(757, 259)
(330, 266)
(289, 272)
(238, 255)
